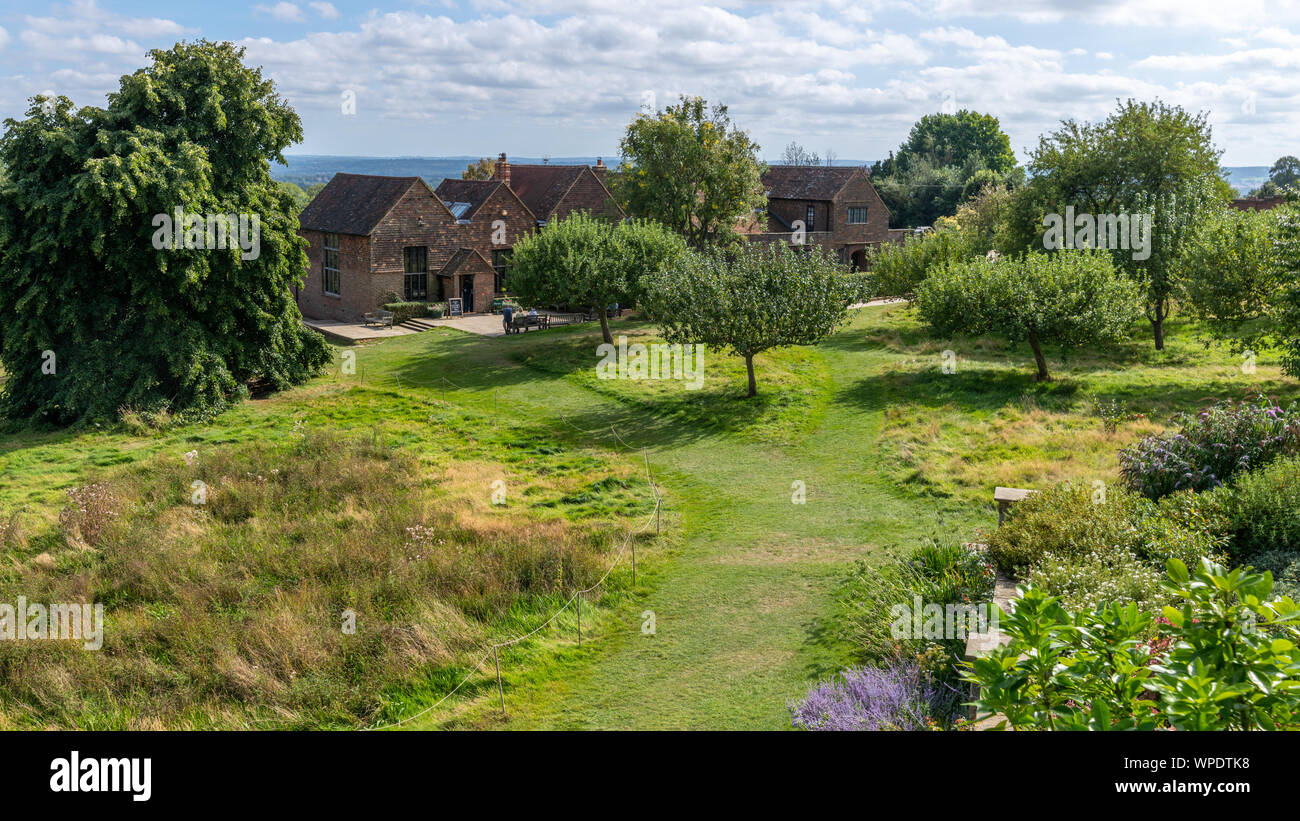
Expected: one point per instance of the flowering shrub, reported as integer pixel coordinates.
(1212, 446)
(1085, 582)
(896, 697)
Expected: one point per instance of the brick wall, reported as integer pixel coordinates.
(354, 291)
(401, 228)
(502, 205)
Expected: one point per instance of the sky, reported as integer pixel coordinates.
(564, 77)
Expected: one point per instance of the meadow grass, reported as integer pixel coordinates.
(745, 583)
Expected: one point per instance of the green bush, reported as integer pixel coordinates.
(1261, 509)
(403, 311)
(898, 268)
(1225, 659)
(1071, 522)
(1070, 298)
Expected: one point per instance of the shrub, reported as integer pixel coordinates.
(898, 268)
(1072, 522)
(1211, 446)
(1260, 509)
(403, 311)
(1224, 660)
(896, 697)
(938, 574)
(1085, 582)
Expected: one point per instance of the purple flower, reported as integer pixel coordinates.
(867, 698)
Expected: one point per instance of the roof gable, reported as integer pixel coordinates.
(541, 187)
(807, 182)
(354, 203)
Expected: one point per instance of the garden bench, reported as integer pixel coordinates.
(520, 323)
(381, 318)
(1006, 497)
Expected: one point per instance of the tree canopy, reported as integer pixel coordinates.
(1150, 158)
(691, 169)
(946, 159)
(480, 169)
(751, 300)
(591, 262)
(95, 317)
(1072, 298)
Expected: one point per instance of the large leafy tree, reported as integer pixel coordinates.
(587, 261)
(1143, 158)
(691, 169)
(946, 159)
(1071, 298)
(749, 301)
(955, 140)
(131, 325)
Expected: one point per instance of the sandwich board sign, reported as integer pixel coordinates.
(454, 307)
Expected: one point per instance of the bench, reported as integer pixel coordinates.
(1006, 497)
(381, 318)
(520, 323)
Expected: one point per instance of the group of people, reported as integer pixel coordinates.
(508, 313)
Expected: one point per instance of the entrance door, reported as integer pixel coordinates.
(467, 293)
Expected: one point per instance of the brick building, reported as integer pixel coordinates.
(837, 206)
(371, 237)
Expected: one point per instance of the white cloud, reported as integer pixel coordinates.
(325, 10)
(284, 12)
(4, 37)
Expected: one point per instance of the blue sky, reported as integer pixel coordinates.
(563, 77)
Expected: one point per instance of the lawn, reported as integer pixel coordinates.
(887, 448)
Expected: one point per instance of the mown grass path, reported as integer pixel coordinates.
(740, 606)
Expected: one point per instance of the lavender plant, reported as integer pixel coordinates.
(895, 697)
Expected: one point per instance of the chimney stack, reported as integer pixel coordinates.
(599, 170)
(502, 171)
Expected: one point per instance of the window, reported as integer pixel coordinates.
(415, 283)
(857, 214)
(811, 222)
(330, 265)
(501, 265)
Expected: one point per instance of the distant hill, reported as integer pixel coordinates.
(1246, 178)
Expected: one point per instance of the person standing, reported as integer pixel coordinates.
(507, 313)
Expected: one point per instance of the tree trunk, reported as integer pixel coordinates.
(1039, 359)
(604, 327)
(1158, 324)
(749, 366)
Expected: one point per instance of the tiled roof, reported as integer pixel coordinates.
(542, 186)
(354, 203)
(472, 193)
(806, 182)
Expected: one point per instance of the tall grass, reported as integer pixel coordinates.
(230, 613)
